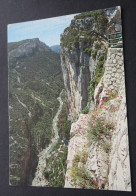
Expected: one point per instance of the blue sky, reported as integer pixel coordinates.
(47, 30)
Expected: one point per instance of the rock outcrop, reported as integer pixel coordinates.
(76, 79)
(107, 159)
(77, 144)
(78, 63)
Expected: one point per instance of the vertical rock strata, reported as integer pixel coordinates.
(76, 78)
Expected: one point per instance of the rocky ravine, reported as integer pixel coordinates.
(35, 78)
(108, 165)
(39, 179)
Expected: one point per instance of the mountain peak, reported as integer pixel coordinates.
(25, 48)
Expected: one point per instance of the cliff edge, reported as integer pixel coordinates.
(93, 73)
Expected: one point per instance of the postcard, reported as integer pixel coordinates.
(67, 102)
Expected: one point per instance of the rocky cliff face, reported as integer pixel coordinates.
(76, 78)
(80, 52)
(98, 151)
(83, 51)
(106, 160)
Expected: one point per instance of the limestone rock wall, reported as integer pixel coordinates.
(78, 65)
(119, 177)
(114, 69)
(113, 78)
(113, 82)
(78, 69)
(77, 144)
(76, 78)
(109, 169)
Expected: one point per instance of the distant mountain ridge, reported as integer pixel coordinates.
(25, 48)
(55, 48)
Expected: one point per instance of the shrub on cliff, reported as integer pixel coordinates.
(100, 18)
(80, 177)
(98, 73)
(99, 125)
(98, 46)
(71, 38)
(85, 110)
(72, 34)
(88, 51)
(94, 53)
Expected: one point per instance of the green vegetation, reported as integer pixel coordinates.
(71, 39)
(111, 95)
(74, 35)
(14, 45)
(80, 177)
(85, 110)
(94, 53)
(98, 74)
(64, 125)
(89, 14)
(99, 17)
(99, 125)
(88, 51)
(107, 147)
(56, 166)
(98, 45)
(35, 82)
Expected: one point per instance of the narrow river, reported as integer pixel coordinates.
(39, 179)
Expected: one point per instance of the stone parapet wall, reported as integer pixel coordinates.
(114, 69)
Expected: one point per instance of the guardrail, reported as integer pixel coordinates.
(115, 40)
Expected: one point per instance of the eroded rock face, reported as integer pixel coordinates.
(77, 144)
(86, 23)
(119, 164)
(113, 80)
(115, 20)
(109, 167)
(107, 160)
(78, 69)
(76, 79)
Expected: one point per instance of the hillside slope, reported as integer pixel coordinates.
(35, 81)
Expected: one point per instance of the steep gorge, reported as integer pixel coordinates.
(35, 82)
